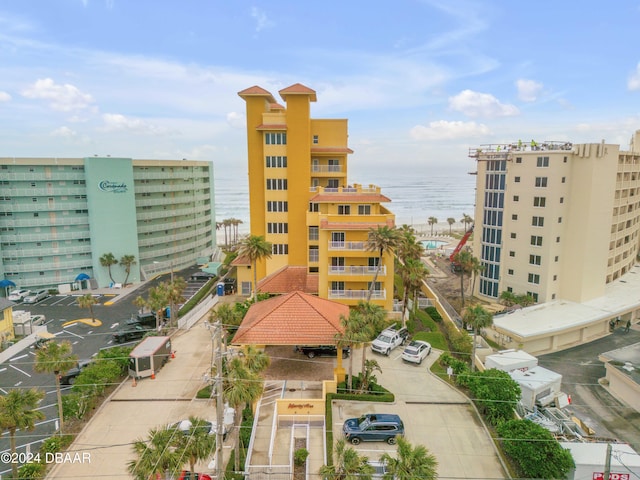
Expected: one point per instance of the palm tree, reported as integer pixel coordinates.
(107, 260)
(174, 290)
(408, 245)
(382, 240)
(241, 386)
(450, 221)
(194, 444)
(56, 358)
(18, 412)
(255, 248)
(347, 464)
(410, 463)
(229, 318)
(155, 455)
(88, 301)
(127, 261)
(478, 317)
(476, 269)
(464, 259)
(432, 221)
(255, 360)
(373, 319)
(226, 223)
(466, 220)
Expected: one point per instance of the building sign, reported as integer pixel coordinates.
(300, 406)
(612, 476)
(113, 187)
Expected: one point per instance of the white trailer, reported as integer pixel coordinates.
(539, 386)
(590, 459)
(510, 360)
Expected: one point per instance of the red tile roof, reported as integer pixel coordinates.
(298, 89)
(331, 150)
(241, 260)
(288, 279)
(257, 91)
(276, 106)
(349, 197)
(292, 319)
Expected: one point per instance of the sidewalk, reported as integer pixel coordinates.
(131, 412)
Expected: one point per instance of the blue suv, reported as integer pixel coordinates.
(373, 427)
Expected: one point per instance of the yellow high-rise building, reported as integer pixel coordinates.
(301, 202)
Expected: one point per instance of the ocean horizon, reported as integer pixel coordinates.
(415, 196)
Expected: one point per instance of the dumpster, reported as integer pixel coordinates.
(150, 354)
(220, 289)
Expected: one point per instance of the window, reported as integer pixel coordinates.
(561, 199)
(557, 239)
(537, 221)
(539, 201)
(514, 216)
(272, 138)
(516, 198)
(314, 233)
(512, 253)
(541, 181)
(314, 207)
(556, 258)
(332, 183)
(276, 162)
(536, 240)
(276, 183)
(543, 162)
(518, 159)
(364, 209)
(513, 235)
(534, 278)
(277, 227)
(533, 295)
(516, 179)
(314, 253)
(510, 271)
(315, 139)
(279, 249)
(559, 219)
(535, 259)
(555, 277)
(563, 179)
(344, 209)
(273, 206)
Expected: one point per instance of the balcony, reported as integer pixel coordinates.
(356, 270)
(357, 294)
(355, 189)
(353, 246)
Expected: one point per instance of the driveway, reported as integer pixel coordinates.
(590, 401)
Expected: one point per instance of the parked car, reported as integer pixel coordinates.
(35, 297)
(379, 469)
(38, 319)
(322, 351)
(69, 378)
(131, 332)
(18, 295)
(416, 351)
(147, 320)
(389, 339)
(373, 427)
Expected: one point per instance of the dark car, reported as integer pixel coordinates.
(373, 427)
(323, 351)
(147, 320)
(131, 332)
(69, 378)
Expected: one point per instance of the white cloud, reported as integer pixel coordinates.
(115, 122)
(261, 18)
(64, 132)
(634, 80)
(476, 104)
(236, 120)
(445, 130)
(528, 90)
(4, 97)
(64, 98)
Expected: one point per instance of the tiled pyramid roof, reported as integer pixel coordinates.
(298, 89)
(288, 279)
(292, 319)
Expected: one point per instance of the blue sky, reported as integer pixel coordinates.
(419, 81)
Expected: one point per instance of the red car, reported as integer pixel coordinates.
(186, 475)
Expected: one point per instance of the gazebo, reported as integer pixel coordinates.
(293, 319)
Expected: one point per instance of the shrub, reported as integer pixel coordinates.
(55, 444)
(496, 393)
(433, 313)
(32, 470)
(118, 354)
(300, 456)
(75, 405)
(95, 378)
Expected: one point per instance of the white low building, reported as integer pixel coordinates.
(591, 458)
(539, 386)
(510, 360)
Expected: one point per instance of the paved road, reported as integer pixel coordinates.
(591, 402)
(18, 371)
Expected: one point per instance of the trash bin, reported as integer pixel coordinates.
(221, 289)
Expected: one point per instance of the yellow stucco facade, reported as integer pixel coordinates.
(301, 201)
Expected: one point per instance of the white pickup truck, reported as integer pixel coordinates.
(389, 339)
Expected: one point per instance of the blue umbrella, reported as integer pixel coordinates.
(82, 276)
(6, 283)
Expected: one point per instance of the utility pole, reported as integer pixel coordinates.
(217, 345)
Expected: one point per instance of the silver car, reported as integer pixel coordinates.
(18, 295)
(35, 297)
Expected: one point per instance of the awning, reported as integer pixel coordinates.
(211, 267)
(82, 276)
(6, 283)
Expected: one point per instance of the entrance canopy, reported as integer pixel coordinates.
(292, 319)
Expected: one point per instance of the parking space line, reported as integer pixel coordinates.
(75, 342)
(114, 325)
(3, 391)
(18, 384)
(3, 369)
(58, 301)
(21, 371)
(74, 334)
(18, 358)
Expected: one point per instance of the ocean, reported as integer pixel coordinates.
(415, 196)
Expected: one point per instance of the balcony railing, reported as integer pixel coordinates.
(361, 246)
(356, 270)
(358, 294)
(326, 168)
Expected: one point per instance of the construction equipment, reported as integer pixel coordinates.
(455, 267)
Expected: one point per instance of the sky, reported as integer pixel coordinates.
(420, 81)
